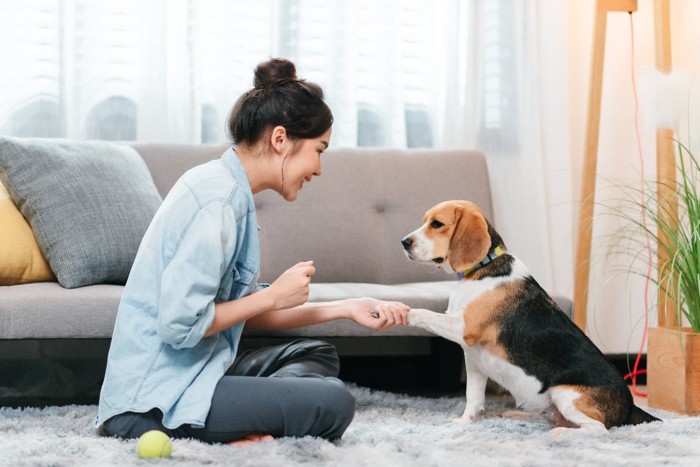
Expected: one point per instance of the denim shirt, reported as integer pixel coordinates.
(201, 248)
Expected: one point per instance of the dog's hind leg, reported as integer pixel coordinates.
(570, 405)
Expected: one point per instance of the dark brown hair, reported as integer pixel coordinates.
(279, 98)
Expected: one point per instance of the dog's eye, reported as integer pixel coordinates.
(436, 224)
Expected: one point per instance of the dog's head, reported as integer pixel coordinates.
(455, 235)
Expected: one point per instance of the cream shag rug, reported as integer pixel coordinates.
(388, 430)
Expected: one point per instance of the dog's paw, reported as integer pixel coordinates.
(466, 418)
(463, 420)
(587, 430)
(518, 415)
(560, 431)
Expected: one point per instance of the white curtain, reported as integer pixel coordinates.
(474, 74)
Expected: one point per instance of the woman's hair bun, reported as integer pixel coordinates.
(269, 73)
(279, 98)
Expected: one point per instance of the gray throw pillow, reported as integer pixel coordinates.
(88, 202)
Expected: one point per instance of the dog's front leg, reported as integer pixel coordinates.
(448, 326)
(476, 392)
(451, 327)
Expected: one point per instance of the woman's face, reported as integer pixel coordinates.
(299, 167)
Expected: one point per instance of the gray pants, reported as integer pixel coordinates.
(286, 390)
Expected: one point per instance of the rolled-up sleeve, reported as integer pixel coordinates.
(192, 277)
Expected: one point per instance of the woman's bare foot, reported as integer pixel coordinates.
(251, 439)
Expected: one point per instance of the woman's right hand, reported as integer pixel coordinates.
(292, 287)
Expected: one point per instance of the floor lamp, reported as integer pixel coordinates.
(665, 161)
(666, 166)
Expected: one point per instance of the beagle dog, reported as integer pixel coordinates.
(512, 331)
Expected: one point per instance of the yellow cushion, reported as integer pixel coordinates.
(21, 260)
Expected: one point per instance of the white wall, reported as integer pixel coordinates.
(616, 303)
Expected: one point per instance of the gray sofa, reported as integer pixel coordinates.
(349, 221)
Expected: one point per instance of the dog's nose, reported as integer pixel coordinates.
(407, 242)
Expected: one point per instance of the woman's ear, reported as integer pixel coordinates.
(279, 139)
(470, 240)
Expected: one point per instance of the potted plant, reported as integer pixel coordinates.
(673, 351)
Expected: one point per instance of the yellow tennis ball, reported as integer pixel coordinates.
(154, 444)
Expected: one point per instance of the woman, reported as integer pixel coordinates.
(173, 363)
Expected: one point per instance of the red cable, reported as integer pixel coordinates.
(636, 371)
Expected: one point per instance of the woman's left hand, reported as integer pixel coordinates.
(378, 314)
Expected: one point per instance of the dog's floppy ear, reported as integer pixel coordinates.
(470, 240)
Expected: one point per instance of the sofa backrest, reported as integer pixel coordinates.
(350, 220)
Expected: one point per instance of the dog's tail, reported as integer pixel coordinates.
(637, 416)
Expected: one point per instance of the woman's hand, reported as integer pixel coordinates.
(378, 314)
(292, 287)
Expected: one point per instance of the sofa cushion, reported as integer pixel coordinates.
(88, 203)
(47, 311)
(21, 260)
